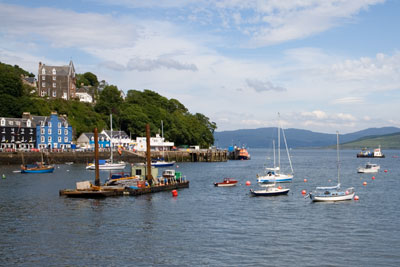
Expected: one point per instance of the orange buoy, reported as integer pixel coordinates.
(373, 177)
(279, 187)
(174, 193)
(385, 170)
(248, 183)
(303, 192)
(356, 197)
(305, 180)
(365, 183)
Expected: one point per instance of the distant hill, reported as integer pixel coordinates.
(296, 138)
(387, 141)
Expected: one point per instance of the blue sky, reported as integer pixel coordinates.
(324, 65)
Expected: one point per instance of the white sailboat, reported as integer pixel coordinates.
(333, 193)
(108, 164)
(274, 175)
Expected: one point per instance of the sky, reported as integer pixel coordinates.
(325, 66)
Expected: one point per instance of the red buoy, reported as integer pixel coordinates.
(303, 192)
(305, 180)
(356, 197)
(373, 177)
(385, 170)
(174, 193)
(365, 183)
(279, 187)
(248, 183)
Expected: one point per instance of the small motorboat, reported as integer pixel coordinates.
(227, 182)
(369, 168)
(270, 190)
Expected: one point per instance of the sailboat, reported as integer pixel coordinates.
(274, 175)
(161, 162)
(39, 167)
(333, 193)
(108, 164)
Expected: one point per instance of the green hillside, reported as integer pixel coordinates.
(389, 141)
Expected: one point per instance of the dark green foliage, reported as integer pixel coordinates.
(130, 115)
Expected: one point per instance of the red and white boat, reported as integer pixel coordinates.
(227, 182)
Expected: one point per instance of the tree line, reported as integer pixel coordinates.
(130, 114)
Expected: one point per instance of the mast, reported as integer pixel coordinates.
(273, 146)
(96, 157)
(338, 162)
(279, 143)
(111, 136)
(287, 151)
(149, 177)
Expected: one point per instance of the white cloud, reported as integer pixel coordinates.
(349, 100)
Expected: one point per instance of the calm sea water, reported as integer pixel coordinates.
(205, 225)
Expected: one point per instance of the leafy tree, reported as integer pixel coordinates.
(10, 81)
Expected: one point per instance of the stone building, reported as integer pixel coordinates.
(57, 81)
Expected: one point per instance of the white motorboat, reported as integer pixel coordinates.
(369, 168)
(270, 190)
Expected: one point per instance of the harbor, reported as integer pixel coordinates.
(41, 227)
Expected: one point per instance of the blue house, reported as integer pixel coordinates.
(53, 131)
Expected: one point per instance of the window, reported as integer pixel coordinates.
(31, 131)
(59, 139)
(11, 123)
(54, 93)
(3, 139)
(59, 131)
(66, 132)
(43, 78)
(42, 123)
(49, 124)
(42, 131)
(13, 138)
(42, 139)
(43, 71)
(3, 122)
(54, 71)
(49, 131)
(3, 130)
(59, 125)
(43, 84)
(43, 93)
(65, 124)
(64, 95)
(18, 123)
(54, 85)
(65, 139)
(12, 130)
(54, 78)
(28, 123)
(49, 139)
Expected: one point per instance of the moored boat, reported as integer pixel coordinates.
(369, 168)
(270, 190)
(364, 153)
(332, 193)
(37, 168)
(244, 154)
(227, 182)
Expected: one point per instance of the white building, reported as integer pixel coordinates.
(119, 139)
(156, 143)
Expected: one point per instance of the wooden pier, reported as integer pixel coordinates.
(110, 191)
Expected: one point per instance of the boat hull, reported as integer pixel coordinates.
(225, 184)
(369, 156)
(267, 192)
(114, 166)
(46, 170)
(163, 164)
(322, 198)
(275, 178)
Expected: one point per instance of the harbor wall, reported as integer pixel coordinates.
(11, 158)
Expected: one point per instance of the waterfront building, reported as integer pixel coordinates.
(57, 81)
(118, 138)
(86, 140)
(157, 143)
(17, 133)
(52, 131)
